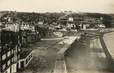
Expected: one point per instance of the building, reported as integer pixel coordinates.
(70, 23)
(10, 48)
(25, 58)
(80, 22)
(17, 36)
(29, 34)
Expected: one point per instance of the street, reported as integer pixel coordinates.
(44, 56)
(87, 56)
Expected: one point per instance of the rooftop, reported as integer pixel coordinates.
(24, 54)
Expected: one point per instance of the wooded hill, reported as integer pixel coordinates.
(49, 18)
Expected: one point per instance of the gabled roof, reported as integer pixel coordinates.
(25, 53)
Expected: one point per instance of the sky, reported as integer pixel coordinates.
(97, 6)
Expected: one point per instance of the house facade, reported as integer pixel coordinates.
(10, 47)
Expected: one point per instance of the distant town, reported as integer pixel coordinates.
(33, 42)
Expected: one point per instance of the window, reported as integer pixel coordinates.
(4, 66)
(29, 57)
(26, 61)
(12, 60)
(19, 49)
(4, 57)
(15, 58)
(8, 53)
(12, 51)
(8, 63)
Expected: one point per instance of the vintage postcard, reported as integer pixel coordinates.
(56, 36)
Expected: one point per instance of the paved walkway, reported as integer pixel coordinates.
(60, 64)
(109, 41)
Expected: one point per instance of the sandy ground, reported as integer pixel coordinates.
(109, 41)
(44, 56)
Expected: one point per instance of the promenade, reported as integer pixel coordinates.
(109, 41)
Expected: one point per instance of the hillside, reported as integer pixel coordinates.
(49, 18)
